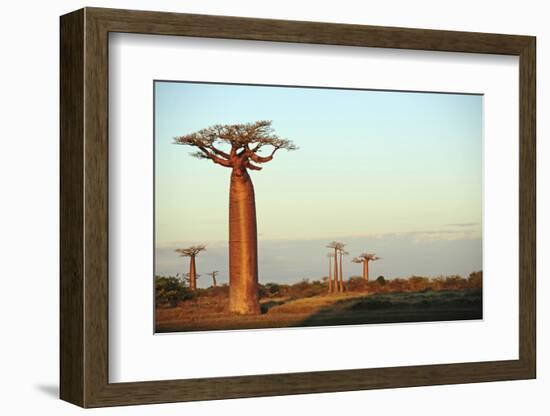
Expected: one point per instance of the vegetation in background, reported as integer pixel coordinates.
(308, 303)
(169, 291)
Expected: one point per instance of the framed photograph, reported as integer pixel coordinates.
(254, 207)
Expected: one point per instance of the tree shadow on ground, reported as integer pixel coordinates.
(400, 308)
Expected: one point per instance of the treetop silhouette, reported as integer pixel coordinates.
(191, 252)
(338, 248)
(365, 258)
(244, 140)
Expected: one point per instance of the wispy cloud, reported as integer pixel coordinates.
(185, 243)
(462, 231)
(446, 235)
(463, 224)
(426, 252)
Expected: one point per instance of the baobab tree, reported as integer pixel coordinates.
(213, 275)
(238, 147)
(342, 253)
(191, 252)
(330, 257)
(365, 258)
(336, 246)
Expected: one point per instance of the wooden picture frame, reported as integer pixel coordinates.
(84, 207)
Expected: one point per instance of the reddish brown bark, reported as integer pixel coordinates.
(192, 274)
(243, 245)
(329, 273)
(366, 270)
(341, 286)
(335, 269)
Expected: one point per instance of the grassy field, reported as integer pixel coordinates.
(209, 312)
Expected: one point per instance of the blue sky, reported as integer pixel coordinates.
(387, 172)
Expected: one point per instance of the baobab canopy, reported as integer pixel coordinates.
(236, 146)
(366, 257)
(245, 141)
(191, 252)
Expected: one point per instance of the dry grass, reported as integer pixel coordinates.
(211, 312)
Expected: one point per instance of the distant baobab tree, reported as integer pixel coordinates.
(342, 253)
(243, 142)
(191, 252)
(330, 257)
(188, 278)
(365, 258)
(213, 276)
(337, 247)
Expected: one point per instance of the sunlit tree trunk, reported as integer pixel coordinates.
(366, 270)
(329, 275)
(192, 274)
(243, 245)
(335, 269)
(341, 275)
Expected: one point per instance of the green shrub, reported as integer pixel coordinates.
(380, 280)
(170, 290)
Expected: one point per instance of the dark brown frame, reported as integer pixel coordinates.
(84, 209)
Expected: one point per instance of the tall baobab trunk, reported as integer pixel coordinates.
(330, 274)
(366, 270)
(335, 269)
(341, 274)
(192, 274)
(243, 245)
(214, 283)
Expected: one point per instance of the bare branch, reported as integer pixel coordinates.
(276, 142)
(213, 157)
(245, 140)
(204, 140)
(251, 166)
(219, 152)
(259, 159)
